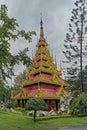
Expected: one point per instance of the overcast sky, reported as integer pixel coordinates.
(56, 15)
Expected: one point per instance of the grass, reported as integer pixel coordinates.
(11, 121)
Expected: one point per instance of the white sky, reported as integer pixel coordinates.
(56, 15)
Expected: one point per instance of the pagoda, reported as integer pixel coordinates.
(42, 78)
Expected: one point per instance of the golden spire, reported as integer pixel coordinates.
(41, 32)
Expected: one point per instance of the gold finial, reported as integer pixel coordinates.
(41, 30)
(52, 52)
(41, 22)
(60, 65)
(55, 60)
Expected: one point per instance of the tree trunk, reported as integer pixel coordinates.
(35, 115)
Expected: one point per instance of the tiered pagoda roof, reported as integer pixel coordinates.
(42, 77)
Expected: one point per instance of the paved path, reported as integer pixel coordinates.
(72, 128)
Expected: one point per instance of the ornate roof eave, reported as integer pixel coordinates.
(41, 70)
(66, 84)
(39, 94)
(43, 64)
(42, 50)
(42, 57)
(43, 97)
(41, 43)
(26, 83)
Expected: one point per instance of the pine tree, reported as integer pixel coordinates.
(75, 43)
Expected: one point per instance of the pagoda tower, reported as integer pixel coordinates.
(42, 78)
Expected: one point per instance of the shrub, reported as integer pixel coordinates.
(21, 109)
(11, 104)
(79, 106)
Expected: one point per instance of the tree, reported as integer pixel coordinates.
(75, 87)
(36, 104)
(11, 104)
(9, 32)
(4, 92)
(79, 106)
(15, 87)
(75, 43)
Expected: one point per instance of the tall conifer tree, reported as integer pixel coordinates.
(75, 47)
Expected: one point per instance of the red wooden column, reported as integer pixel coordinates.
(50, 105)
(23, 105)
(19, 103)
(56, 105)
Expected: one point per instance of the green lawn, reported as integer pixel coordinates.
(10, 121)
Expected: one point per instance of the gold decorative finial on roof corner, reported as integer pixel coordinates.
(52, 52)
(55, 60)
(60, 65)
